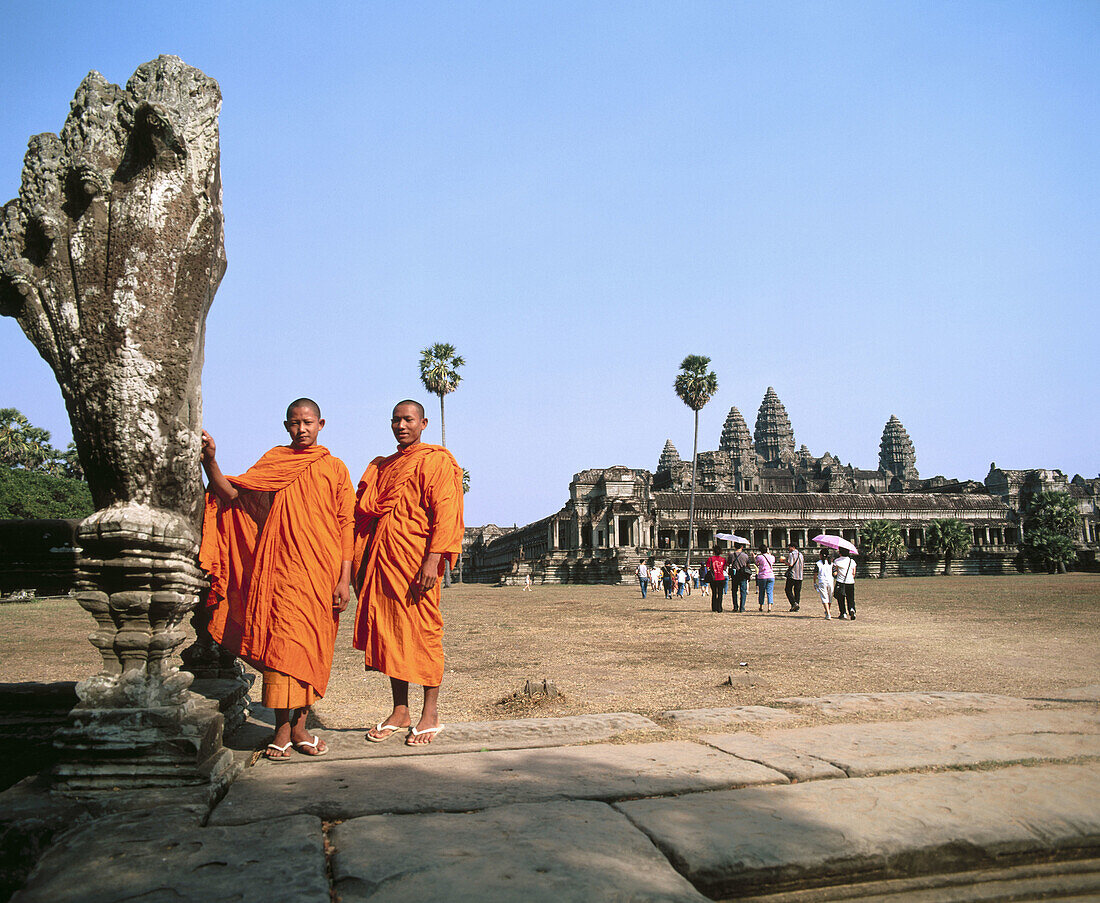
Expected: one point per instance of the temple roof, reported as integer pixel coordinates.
(795, 502)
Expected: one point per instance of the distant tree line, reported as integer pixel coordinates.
(36, 479)
(1051, 528)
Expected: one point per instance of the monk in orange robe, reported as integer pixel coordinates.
(277, 542)
(408, 522)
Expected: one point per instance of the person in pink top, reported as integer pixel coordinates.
(765, 575)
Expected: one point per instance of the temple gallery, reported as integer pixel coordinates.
(761, 486)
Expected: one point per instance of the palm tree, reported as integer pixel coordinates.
(439, 373)
(949, 537)
(1051, 528)
(13, 438)
(25, 446)
(696, 386)
(882, 538)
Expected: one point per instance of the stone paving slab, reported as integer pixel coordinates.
(343, 789)
(559, 851)
(842, 704)
(754, 714)
(797, 766)
(951, 741)
(475, 736)
(161, 855)
(828, 832)
(1091, 693)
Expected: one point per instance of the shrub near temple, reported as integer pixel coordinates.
(950, 538)
(881, 538)
(1050, 531)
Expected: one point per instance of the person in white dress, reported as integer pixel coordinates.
(823, 581)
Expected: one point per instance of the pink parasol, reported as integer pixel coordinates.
(835, 542)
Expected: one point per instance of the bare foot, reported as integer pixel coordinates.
(399, 720)
(277, 751)
(279, 747)
(314, 746)
(424, 733)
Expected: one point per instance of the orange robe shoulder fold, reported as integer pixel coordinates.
(408, 505)
(274, 556)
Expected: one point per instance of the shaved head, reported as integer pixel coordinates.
(415, 404)
(304, 403)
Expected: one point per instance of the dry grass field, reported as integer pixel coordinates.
(608, 650)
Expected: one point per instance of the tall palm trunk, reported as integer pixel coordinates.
(691, 504)
(447, 576)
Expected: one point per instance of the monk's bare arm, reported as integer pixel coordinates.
(345, 518)
(341, 595)
(429, 571)
(219, 485)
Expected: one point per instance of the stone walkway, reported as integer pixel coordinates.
(984, 798)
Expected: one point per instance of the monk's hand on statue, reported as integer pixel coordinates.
(208, 447)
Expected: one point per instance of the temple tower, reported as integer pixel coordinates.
(669, 456)
(736, 438)
(773, 435)
(736, 441)
(896, 455)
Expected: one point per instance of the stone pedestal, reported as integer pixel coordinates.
(137, 724)
(219, 676)
(142, 748)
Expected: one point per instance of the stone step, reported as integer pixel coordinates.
(778, 838)
(1073, 880)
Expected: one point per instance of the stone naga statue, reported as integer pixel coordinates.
(109, 260)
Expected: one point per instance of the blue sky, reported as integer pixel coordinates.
(876, 208)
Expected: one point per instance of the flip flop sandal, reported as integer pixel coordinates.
(313, 744)
(277, 748)
(413, 732)
(386, 730)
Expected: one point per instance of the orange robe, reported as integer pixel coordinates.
(409, 505)
(274, 557)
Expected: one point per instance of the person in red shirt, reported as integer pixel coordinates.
(716, 570)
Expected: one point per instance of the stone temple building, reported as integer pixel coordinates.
(762, 486)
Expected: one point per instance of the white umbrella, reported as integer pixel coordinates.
(731, 537)
(835, 542)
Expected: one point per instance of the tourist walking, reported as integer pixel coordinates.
(643, 578)
(742, 571)
(527, 583)
(765, 575)
(668, 578)
(844, 572)
(681, 582)
(793, 585)
(823, 581)
(716, 568)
